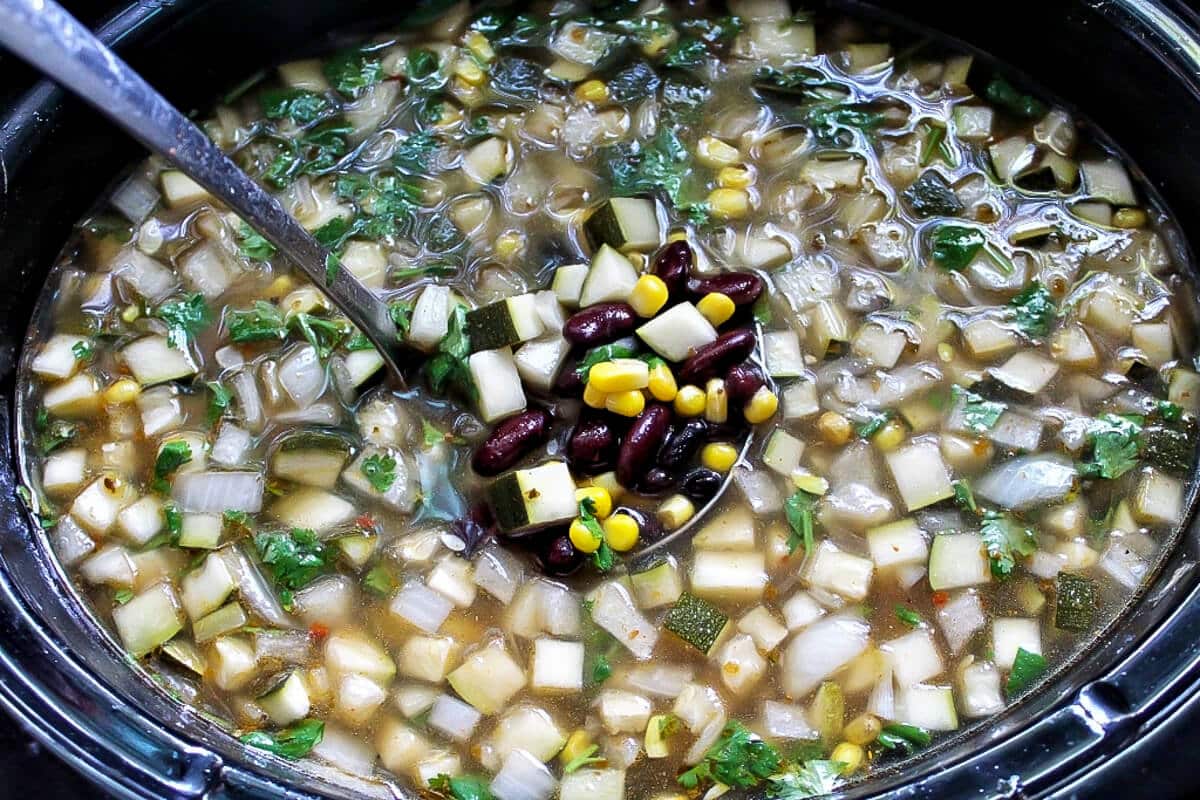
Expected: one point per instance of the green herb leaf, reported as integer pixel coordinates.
(713, 29)
(1005, 95)
(930, 195)
(1114, 439)
(978, 415)
(799, 511)
(236, 524)
(379, 581)
(601, 668)
(448, 368)
(293, 557)
(1005, 539)
(171, 456)
(422, 63)
(412, 153)
(1027, 667)
(636, 82)
(291, 743)
(260, 323)
(1033, 310)
(588, 756)
(872, 426)
(253, 245)
(437, 269)
(323, 334)
(739, 759)
(401, 314)
(53, 434)
(461, 787)
(84, 352)
(598, 355)
(762, 309)
(908, 616)
(604, 558)
(955, 246)
(380, 471)
(964, 496)
(220, 401)
(686, 53)
(351, 71)
(122, 596)
(299, 105)
(185, 318)
(901, 736)
(812, 778)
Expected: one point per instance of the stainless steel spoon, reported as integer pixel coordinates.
(42, 33)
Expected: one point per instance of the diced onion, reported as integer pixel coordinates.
(254, 589)
(523, 777)
(1028, 481)
(421, 607)
(217, 492)
(135, 199)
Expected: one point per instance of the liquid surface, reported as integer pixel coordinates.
(973, 405)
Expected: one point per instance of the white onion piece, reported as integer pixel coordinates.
(149, 277)
(316, 414)
(302, 376)
(330, 601)
(820, 650)
(1028, 481)
(960, 617)
(421, 607)
(135, 199)
(345, 751)
(290, 647)
(70, 542)
(707, 737)
(759, 488)
(659, 680)
(499, 573)
(231, 446)
(523, 777)
(254, 589)
(882, 702)
(249, 401)
(785, 721)
(454, 718)
(217, 492)
(886, 389)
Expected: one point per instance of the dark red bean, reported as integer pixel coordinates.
(568, 383)
(600, 324)
(559, 557)
(648, 527)
(641, 443)
(592, 446)
(674, 265)
(717, 356)
(741, 382)
(656, 481)
(701, 484)
(743, 288)
(679, 448)
(512, 440)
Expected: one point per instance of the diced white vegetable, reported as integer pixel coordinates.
(881, 346)
(97, 506)
(800, 610)
(430, 317)
(609, 280)
(414, 700)
(207, 269)
(141, 521)
(311, 508)
(152, 360)
(979, 689)
(958, 560)
(1125, 562)
(761, 625)
(786, 721)
(70, 542)
(593, 784)
(361, 365)
(350, 653)
(929, 707)
(488, 678)
(1158, 499)
(73, 398)
(960, 617)
(523, 777)
(557, 666)
(914, 657)
(1184, 389)
(523, 728)
(783, 356)
(840, 572)
(677, 332)
(987, 338)
(614, 611)
(399, 746)
(820, 650)
(180, 190)
(542, 606)
(64, 471)
(657, 680)
(973, 123)
(498, 573)
(302, 376)
(109, 566)
(401, 495)
(330, 601)
(149, 619)
(1107, 180)
(1026, 371)
(488, 160)
(453, 578)
(428, 658)
(539, 362)
(658, 586)
(568, 283)
(365, 261)
(500, 391)
(232, 662)
(421, 607)
(920, 474)
(1028, 481)
(783, 452)
(231, 446)
(454, 718)
(286, 702)
(623, 712)
(740, 665)
(206, 589)
(732, 529)
(345, 751)
(1010, 634)
(437, 763)
(217, 492)
(759, 487)
(901, 542)
(697, 706)
(729, 575)
(56, 360)
(800, 399)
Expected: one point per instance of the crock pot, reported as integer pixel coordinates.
(1131, 66)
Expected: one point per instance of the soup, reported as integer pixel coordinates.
(898, 349)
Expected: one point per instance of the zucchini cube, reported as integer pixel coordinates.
(698, 622)
(527, 499)
(626, 223)
(504, 323)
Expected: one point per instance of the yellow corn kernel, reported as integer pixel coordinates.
(850, 756)
(509, 245)
(478, 44)
(627, 404)
(638, 260)
(805, 481)
(621, 532)
(593, 397)
(890, 435)
(675, 511)
(602, 503)
(1129, 218)
(719, 456)
(690, 401)
(280, 286)
(592, 91)
(729, 203)
(761, 406)
(712, 152)
(736, 177)
(469, 71)
(659, 41)
(608, 482)
(834, 428)
(677, 236)
(619, 375)
(582, 537)
(123, 391)
(717, 308)
(716, 401)
(649, 295)
(577, 743)
(662, 382)
(131, 312)
(863, 729)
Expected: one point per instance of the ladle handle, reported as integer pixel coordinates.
(42, 33)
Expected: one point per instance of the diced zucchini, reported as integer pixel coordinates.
(783, 452)
(64, 471)
(677, 332)
(568, 283)
(361, 365)
(782, 352)
(1158, 499)
(920, 474)
(550, 312)
(111, 566)
(655, 739)
(97, 506)
(452, 579)
(958, 560)
(186, 655)
(594, 784)
(56, 360)
(488, 678)
(504, 323)
(180, 190)
(141, 522)
(526, 499)
(987, 338)
(1010, 156)
(356, 699)
(524, 728)
(152, 360)
(205, 589)
(626, 223)
(149, 619)
(313, 509)
(914, 657)
(610, 278)
(1074, 602)
(828, 712)
(614, 611)
(830, 324)
(732, 529)
(973, 123)
(488, 160)
(539, 362)
(657, 585)
(347, 653)
(698, 622)
(827, 175)
(901, 542)
(728, 575)
(400, 747)
(928, 707)
(800, 399)
(1108, 180)
(556, 666)
(1010, 634)
(883, 347)
(428, 658)
(310, 458)
(201, 531)
(840, 572)
(226, 619)
(760, 250)
(365, 261)
(494, 373)
(777, 42)
(430, 317)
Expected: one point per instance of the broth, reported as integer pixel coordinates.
(942, 308)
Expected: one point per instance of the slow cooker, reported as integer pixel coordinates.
(1131, 66)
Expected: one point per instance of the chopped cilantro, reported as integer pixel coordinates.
(379, 581)
(412, 154)
(964, 496)
(299, 105)
(253, 245)
(908, 616)
(598, 355)
(1114, 439)
(585, 758)
(84, 351)
(1005, 539)
(291, 743)
(799, 511)
(1027, 667)
(1005, 95)
(53, 434)
(219, 402)
(171, 456)
(812, 778)
(1033, 310)
(122, 596)
(353, 70)
(955, 246)
(901, 736)
(601, 668)
(978, 415)
(380, 471)
(448, 367)
(739, 759)
(685, 53)
(461, 787)
(260, 323)
(293, 557)
(185, 318)
(401, 313)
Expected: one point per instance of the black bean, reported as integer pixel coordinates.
(743, 288)
(600, 324)
(512, 440)
(656, 481)
(701, 485)
(674, 265)
(559, 556)
(717, 356)
(679, 448)
(641, 443)
(592, 447)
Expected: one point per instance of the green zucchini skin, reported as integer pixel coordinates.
(696, 621)
(1075, 602)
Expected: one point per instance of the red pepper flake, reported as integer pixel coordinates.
(318, 631)
(940, 598)
(365, 521)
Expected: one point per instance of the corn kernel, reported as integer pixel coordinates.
(592, 91)
(863, 729)
(834, 428)
(649, 295)
(719, 456)
(662, 382)
(593, 397)
(806, 481)
(675, 511)
(123, 391)
(890, 435)
(850, 756)
(627, 404)
(729, 203)
(761, 407)
(716, 401)
(659, 41)
(621, 532)
(737, 177)
(280, 286)
(717, 308)
(945, 353)
(638, 260)
(608, 482)
(582, 537)
(690, 401)
(712, 152)
(469, 71)
(602, 504)
(478, 44)
(577, 743)
(1129, 218)
(509, 245)
(131, 312)
(619, 375)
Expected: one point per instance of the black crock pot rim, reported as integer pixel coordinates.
(1045, 743)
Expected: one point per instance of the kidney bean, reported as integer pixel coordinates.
(741, 382)
(701, 485)
(682, 444)
(674, 265)
(717, 356)
(600, 324)
(512, 440)
(656, 481)
(743, 288)
(641, 443)
(592, 445)
(559, 556)
(568, 383)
